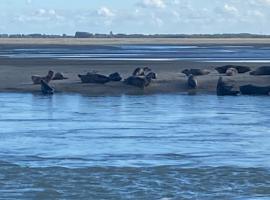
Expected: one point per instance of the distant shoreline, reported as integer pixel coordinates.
(135, 41)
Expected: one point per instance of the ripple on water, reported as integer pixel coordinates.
(133, 183)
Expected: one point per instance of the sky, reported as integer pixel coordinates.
(135, 16)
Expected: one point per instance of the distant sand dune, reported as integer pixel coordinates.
(111, 41)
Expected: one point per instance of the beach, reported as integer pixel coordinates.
(16, 72)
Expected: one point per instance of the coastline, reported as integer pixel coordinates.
(135, 41)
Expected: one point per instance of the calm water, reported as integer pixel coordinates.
(200, 53)
(134, 147)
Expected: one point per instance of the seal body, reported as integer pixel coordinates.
(254, 90)
(141, 81)
(265, 70)
(137, 81)
(37, 78)
(45, 88)
(224, 89)
(192, 82)
(94, 78)
(115, 77)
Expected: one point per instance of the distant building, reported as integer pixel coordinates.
(83, 35)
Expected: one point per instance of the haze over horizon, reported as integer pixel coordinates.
(135, 16)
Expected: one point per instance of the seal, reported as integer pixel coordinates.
(261, 71)
(196, 72)
(192, 82)
(115, 77)
(224, 89)
(94, 78)
(255, 90)
(37, 78)
(140, 81)
(45, 88)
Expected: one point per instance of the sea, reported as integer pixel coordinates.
(162, 146)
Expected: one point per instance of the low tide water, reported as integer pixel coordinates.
(201, 53)
(134, 147)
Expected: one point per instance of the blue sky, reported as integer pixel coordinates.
(135, 16)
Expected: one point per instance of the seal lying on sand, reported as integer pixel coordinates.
(255, 90)
(192, 82)
(59, 76)
(94, 78)
(45, 88)
(115, 77)
(196, 72)
(224, 89)
(231, 72)
(37, 79)
(265, 70)
(140, 81)
(240, 69)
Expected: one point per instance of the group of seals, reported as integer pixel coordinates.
(44, 81)
(227, 89)
(50, 76)
(141, 78)
(140, 81)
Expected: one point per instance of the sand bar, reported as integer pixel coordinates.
(16, 73)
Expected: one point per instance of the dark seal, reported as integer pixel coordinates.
(254, 90)
(225, 89)
(261, 71)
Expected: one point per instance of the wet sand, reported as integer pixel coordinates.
(16, 73)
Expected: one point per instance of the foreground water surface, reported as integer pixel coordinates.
(134, 147)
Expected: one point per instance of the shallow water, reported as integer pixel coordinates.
(134, 147)
(207, 53)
